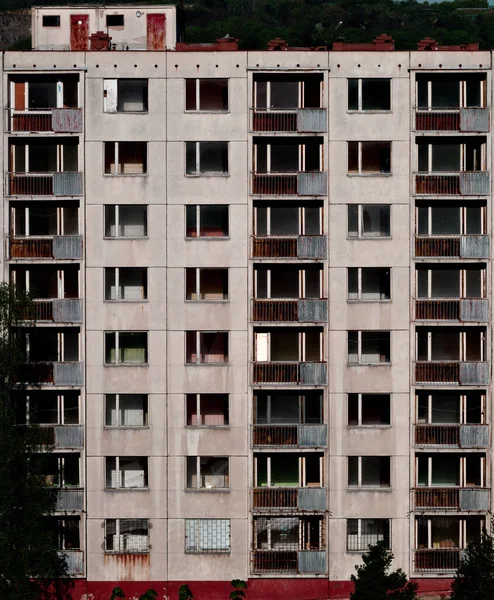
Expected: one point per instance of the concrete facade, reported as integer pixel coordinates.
(375, 464)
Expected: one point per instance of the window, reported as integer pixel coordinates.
(114, 20)
(369, 220)
(125, 158)
(369, 410)
(369, 472)
(49, 408)
(65, 531)
(206, 347)
(206, 284)
(448, 219)
(289, 470)
(450, 281)
(207, 473)
(130, 283)
(369, 94)
(51, 20)
(209, 95)
(369, 158)
(368, 347)
(60, 470)
(126, 221)
(363, 532)
(285, 407)
(207, 220)
(125, 472)
(207, 410)
(125, 95)
(208, 536)
(288, 220)
(126, 347)
(126, 410)
(369, 284)
(206, 158)
(287, 535)
(127, 536)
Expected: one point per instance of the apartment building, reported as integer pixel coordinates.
(262, 281)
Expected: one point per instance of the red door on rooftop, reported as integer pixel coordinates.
(79, 32)
(156, 31)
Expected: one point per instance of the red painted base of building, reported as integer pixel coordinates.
(258, 589)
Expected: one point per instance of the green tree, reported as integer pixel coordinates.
(374, 582)
(118, 593)
(475, 575)
(184, 593)
(239, 588)
(29, 557)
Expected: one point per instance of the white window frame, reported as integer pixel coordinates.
(197, 291)
(359, 485)
(60, 411)
(359, 347)
(462, 346)
(359, 96)
(463, 222)
(116, 224)
(302, 471)
(198, 347)
(199, 413)
(369, 173)
(359, 411)
(117, 348)
(198, 95)
(198, 474)
(120, 542)
(117, 284)
(360, 222)
(198, 224)
(359, 297)
(119, 474)
(117, 410)
(301, 222)
(118, 172)
(463, 284)
(463, 410)
(198, 172)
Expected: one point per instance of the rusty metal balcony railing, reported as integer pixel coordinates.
(468, 435)
(298, 246)
(55, 120)
(302, 310)
(59, 247)
(297, 120)
(280, 499)
(464, 183)
(67, 183)
(69, 499)
(64, 436)
(56, 310)
(452, 498)
(456, 372)
(452, 119)
(296, 435)
(460, 246)
(305, 373)
(437, 560)
(465, 309)
(310, 183)
(52, 373)
(289, 561)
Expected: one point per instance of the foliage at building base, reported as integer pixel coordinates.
(474, 578)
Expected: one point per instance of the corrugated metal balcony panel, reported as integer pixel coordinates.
(312, 184)
(68, 183)
(312, 436)
(68, 373)
(474, 499)
(69, 500)
(312, 246)
(75, 561)
(311, 499)
(67, 310)
(312, 561)
(312, 120)
(474, 183)
(66, 120)
(474, 119)
(474, 436)
(313, 373)
(313, 309)
(474, 373)
(474, 246)
(474, 309)
(67, 247)
(69, 436)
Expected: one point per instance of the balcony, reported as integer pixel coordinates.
(298, 373)
(464, 310)
(290, 184)
(44, 120)
(67, 183)
(69, 500)
(452, 498)
(58, 247)
(295, 436)
(278, 499)
(452, 119)
(460, 246)
(465, 183)
(52, 373)
(64, 436)
(303, 247)
(302, 311)
(454, 372)
(75, 562)
(57, 310)
(295, 120)
(452, 435)
(437, 560)
(289, 561)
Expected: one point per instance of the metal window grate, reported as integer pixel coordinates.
(208, 536)
(363, 532)
(127, 536)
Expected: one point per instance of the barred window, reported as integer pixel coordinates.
(207, 536)
(363, 532)
(127, 536)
